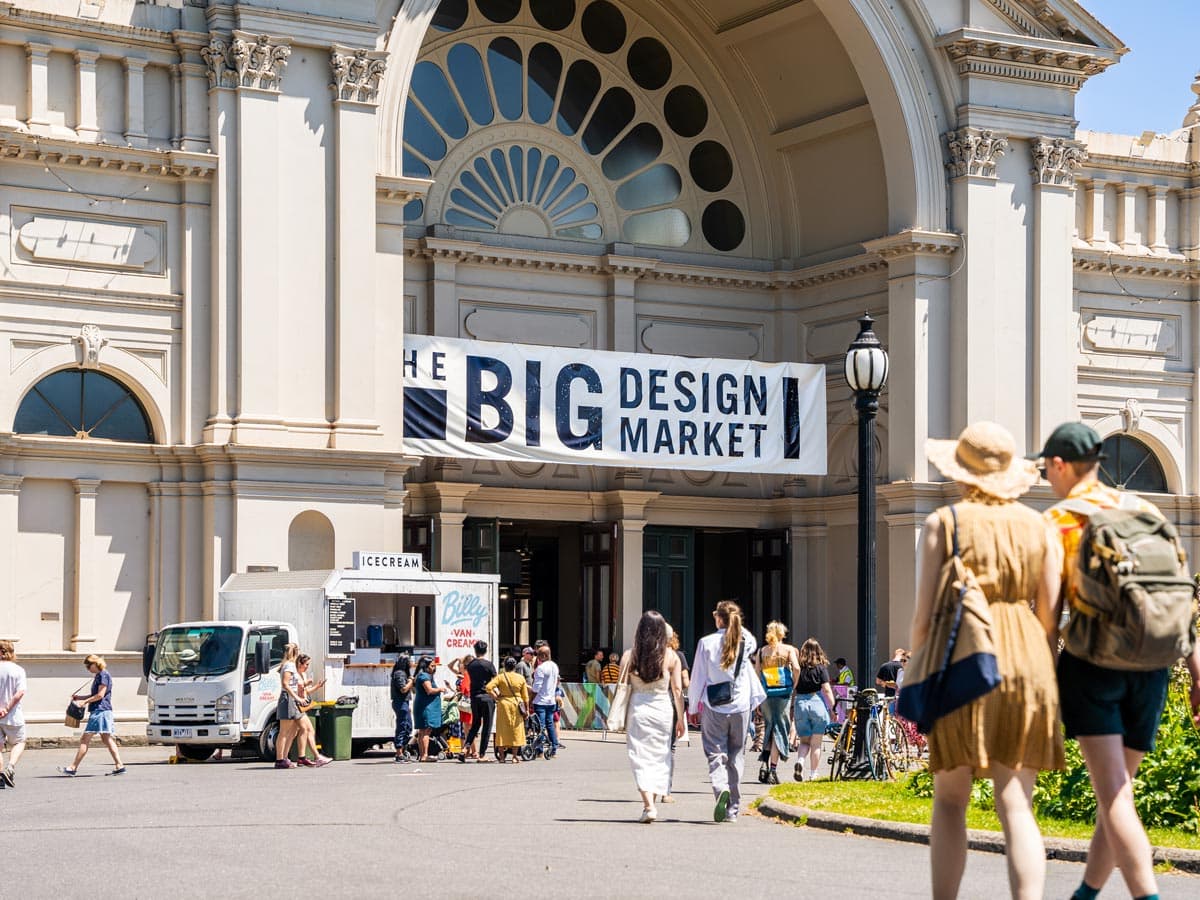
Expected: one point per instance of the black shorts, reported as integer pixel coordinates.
(1098, 701)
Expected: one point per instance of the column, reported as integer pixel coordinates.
(176, 106)
(448, 528)
(802, 613)
(1158, 218)
(919, 315)
(10, 497)
(630, 541)
(907, 507)
(88, 128)
(201, 343)
(135, 102)
(1054, 330)
(356, 77)
(443, 290)
(85, 581)
(1127, 217)
(979, 289)
(623, 274)
(1094, 226)
(38, 58)
(154, 559)
(393, 510)
(218, 534)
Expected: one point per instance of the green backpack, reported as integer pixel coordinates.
(1135, 603)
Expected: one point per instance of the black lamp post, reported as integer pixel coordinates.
(866, 373)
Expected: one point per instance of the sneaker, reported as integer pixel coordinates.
(773, 776)
(64, 770)
(763, 772)
(322, 761)
(719, 811)
(306, 762)
(648, 816)
(812, 776)
(798, 772)
(401, 759)
(731, 818)
(279, 764)
(8, 777)
(117, 771)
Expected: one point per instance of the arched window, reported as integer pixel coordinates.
(83, 403)
(1132, 466)
(310, 542)
(567, 119)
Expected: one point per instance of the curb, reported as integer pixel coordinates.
(71, 742)
(1063, 849)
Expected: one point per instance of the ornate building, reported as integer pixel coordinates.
(221, 219)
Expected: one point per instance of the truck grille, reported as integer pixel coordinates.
(200, 714)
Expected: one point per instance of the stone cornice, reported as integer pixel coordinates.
(21, 146)
(1097, 164)
(73, 27)
(974, 152)
(1124, 265)
(1055, 161)
(356, 73)
(394, 189)
(1044, 61)
(604, 264)
(79, 297)
(914, 242)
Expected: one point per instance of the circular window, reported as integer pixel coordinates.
(723, 225)
(1131, 466)
(711, 166)
(649, 63)
(686, 111)
(553, 15)
(603, 27)
(83, 404)
(450, 15)
(499, 11)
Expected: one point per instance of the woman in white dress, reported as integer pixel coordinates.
(655, 709)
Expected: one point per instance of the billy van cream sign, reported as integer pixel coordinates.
(592, 407)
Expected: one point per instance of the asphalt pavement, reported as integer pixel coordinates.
(370, 828)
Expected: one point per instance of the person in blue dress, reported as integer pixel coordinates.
(427, 705)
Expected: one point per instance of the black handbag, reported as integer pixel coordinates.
(721, 693)
(75, 712)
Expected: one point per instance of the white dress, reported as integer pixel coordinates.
(648, 733)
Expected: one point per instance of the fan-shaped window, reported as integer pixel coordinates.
(83, 404)
(1132, 466)
(627, 150)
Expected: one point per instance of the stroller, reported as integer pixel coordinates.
(441, 737)
(536, 739)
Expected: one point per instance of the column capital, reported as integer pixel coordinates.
(975, 151)
(242, 60)
(1055, 161)
(134, 64)
(86, 487)
(36, 50)
(87, 58)
(357, 73)
(11, 484)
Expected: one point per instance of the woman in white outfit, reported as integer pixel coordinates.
(724, 681)
(655, 709)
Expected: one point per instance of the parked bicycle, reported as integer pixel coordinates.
(889, 751)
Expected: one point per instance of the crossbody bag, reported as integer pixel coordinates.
(721, 693)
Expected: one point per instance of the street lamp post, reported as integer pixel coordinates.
(866, 373)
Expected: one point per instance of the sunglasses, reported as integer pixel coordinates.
(1041, 470)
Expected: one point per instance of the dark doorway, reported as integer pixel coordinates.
(749, 567)
(669, 577)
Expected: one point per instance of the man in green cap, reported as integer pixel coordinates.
(1114, 714)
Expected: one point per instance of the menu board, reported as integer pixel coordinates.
(341, 626)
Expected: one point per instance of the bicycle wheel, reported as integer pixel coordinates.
(841, 751)
(898, 753)
(875, 751)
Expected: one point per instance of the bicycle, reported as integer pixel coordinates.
(888, 749)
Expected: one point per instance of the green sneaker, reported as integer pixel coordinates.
(721, 807)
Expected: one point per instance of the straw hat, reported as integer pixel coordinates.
(984, 456)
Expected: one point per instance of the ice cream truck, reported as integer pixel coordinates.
(215, 684)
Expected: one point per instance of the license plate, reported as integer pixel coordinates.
(181, 732)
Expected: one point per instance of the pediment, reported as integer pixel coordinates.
(1057, 20)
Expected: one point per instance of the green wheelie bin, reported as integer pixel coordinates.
(335, 727)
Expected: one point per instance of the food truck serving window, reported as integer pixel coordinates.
(205, 650)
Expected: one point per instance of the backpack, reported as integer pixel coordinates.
(1135, 603)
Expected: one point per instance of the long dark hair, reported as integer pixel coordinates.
(403, 662)
(649, 646)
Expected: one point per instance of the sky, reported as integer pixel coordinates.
(1150, 88)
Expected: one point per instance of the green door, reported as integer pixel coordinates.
(481, 546)
(668, 577)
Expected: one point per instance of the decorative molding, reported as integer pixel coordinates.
(396, 189)
(1124, 265)
(974, 151)
(90, 342)
(1034, 60)
(914, 242)
(49, 237)
(1056, 160)
(1131, 416)
(1107, 331)
(1021, 18)
(246, 61)
(1193, 114)
(722, 340)
(356, 73)
(47, 151)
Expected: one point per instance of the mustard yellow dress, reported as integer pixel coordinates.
(510, 724)
(1017, 725)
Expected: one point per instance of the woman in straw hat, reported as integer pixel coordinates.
(1012, 732)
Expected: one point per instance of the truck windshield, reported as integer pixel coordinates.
(205, 650)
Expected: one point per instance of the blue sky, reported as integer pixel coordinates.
(1150, 88)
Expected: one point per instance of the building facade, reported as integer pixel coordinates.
(221, 219)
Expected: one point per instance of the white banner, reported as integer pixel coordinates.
(592, 407)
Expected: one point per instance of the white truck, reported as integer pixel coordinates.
(215, 684)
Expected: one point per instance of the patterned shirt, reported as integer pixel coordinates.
(1069, 521)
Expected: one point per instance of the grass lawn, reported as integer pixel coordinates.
(889, 802)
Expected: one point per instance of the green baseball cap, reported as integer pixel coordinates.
(1073, 442)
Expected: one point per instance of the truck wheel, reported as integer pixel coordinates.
(360, 748)
(197, 752)
(266, 741)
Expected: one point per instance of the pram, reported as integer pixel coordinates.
(441, 737)
(536, 739)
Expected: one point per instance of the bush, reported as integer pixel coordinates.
(1166, 789)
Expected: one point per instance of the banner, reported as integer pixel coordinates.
(590, 407)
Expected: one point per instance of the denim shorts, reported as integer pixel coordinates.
(811, 715)
(100, 722)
